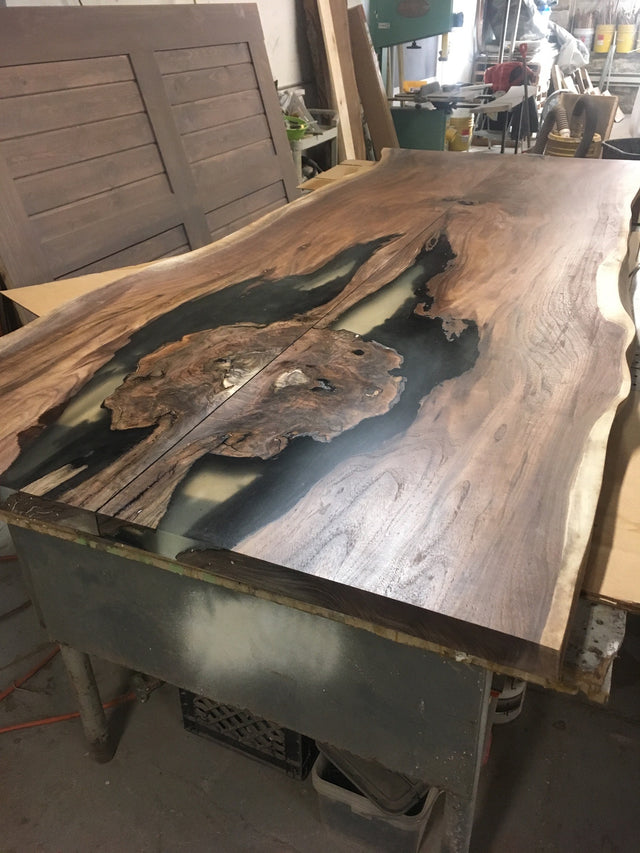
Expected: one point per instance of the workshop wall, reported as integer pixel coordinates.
(459, 67)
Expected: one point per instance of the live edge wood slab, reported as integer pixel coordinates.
(388, 403)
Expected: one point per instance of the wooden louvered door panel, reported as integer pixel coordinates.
(218, 110)
(132, 134)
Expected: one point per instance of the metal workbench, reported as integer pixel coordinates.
(421, 712)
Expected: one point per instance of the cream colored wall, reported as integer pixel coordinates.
(459, 67)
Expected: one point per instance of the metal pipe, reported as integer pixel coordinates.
(503, 37)
(515, 30)
(92, 716)
(390, 72)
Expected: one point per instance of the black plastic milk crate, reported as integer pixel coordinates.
(268, 742)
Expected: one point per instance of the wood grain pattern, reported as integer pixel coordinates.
(40, 113)
(29, 155)
(315, 42)
(19, 233)
(41, 299)
(163, 245)
(156, 217)
(335, 30)
(197, 58)
(60, 187)
(209, 83)
(236, 262)
(103, 114)
(36, 78)
(464, 499)
(218, 177)
(174, 158)
(228, 137)
(63, 223)
(212, 112)
(237, 214)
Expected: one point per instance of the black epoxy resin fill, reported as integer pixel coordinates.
(275, 485)
(90, 445)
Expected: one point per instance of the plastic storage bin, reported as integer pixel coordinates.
(621, 149)
(393, 793)
(258, 738)
(344, 809)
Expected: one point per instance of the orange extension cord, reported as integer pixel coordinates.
(20, 681)
(126, 697)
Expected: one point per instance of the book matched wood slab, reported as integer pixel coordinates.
(388, 402)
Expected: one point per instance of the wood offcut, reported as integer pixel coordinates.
(335, 29)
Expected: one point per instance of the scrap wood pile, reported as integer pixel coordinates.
(348, 77)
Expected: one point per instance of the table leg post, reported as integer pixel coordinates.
(296, 151)
(92, 716)
(459, 810)
(458, 822)
(504, 132)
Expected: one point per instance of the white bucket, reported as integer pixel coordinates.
(585, 35)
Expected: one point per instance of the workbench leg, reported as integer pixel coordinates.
(504, 132)
(459, 811)
(458, 822)
(297, 160)
(92, 716)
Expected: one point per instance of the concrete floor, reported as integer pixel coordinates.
(563, 778)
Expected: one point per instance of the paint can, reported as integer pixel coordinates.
(625, 38)
(585, 35)
(604, 37)
(459, 130)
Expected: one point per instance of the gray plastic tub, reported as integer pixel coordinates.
(621, 149)
(345, 810)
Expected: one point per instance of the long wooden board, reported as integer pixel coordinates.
(401, 417)
(613, 566)
(131, 134)
(335, 30)
(371, 89)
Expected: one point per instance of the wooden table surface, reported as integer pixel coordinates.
(390, 402)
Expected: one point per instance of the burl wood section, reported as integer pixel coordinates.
(389, 402)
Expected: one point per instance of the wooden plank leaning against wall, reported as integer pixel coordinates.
(335, 29)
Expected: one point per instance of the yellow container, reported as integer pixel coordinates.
(626, 38)
(458, 133)
(409, 86)
(560, 146)
(604, 37)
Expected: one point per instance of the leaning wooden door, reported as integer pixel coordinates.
(131, 134)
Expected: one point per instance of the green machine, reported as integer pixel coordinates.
(400, 21)
(396, 22)
(420, 128)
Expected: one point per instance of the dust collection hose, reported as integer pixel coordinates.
(558, 116)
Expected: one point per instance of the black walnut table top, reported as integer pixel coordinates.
(390, 400)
